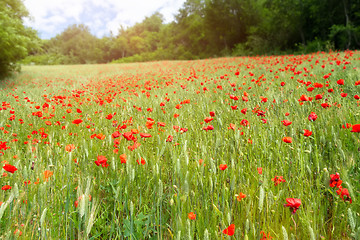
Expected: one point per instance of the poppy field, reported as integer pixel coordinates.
(263, 147)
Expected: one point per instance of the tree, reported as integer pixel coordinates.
(16, 40)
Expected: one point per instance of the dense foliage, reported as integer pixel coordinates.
(210, 28)
(15, 39)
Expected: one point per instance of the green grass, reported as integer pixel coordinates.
(152, 201)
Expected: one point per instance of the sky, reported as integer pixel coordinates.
(51, 17)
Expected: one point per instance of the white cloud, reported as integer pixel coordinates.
(51, 17)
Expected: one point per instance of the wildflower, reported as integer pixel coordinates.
(345, 193)
(101, 160)
(47, 174)
(145, 135)
(287, 139)
(69, 147)
(208, 119)
(355, 128)
(260, 170)
(286, 122)
(9, 168)
(307, 133)
(231, 126)
(230, 230)
(318, 97)
(335, 180)
(240, 196)
(312, 116)
(142, 161)
(244, 122)
(304, 98)
(212, 114)
(129, 136)
(277, 180)
(77, 121)
(265, 236)
(325, 105)
(169, 138)
(192, 216)
(223, 167)
(293, 203)
(6, 187)
(123, 158)
(340, 82)
(210, 127)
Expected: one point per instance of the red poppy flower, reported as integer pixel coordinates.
(208, 119)
(234, 107)
(277, 180)
(169, 138)
(244, 122)
(318, 97)
(142, 161)
(101, 160)
(325, 105)
(129, 136)
(192, 216)
(286, 122)
(243, 111)
(265, 236)
(355, 128)
(145, 135)
(282, 84)
(223, 167)
(345, 193)
(343, 94)
(293, 203)
(134, 146)
(312, 116)
(348, 125)
(229, 230)
(357, 97)
(240, 196)
(260, 170)
(307, 133)
(6, 187)
(77, 121)
(212, 114)
(304, 98)
(335, 180)
(9, 168)
(210, 127)
(123, 158)
(287, 139)
(161, 124)
(340, 82)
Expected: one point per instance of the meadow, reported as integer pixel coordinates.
(261, 147)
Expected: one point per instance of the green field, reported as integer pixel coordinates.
(183, 149)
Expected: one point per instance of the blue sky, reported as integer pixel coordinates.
(51, 17)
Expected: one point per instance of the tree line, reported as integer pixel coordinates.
(207, 28)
